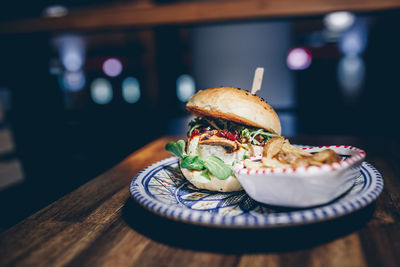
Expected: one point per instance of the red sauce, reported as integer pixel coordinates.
(195, 132)
(233, 136)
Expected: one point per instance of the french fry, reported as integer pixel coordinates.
(288, 148)
(274, 163)
(279, 153)
(326, 157)
(273, 146)
(253, 164)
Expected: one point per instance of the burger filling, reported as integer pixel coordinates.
(215, 144)
(228, 134)
(229, 141)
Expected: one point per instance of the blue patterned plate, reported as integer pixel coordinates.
(162, 189)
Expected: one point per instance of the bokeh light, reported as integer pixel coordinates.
(55, 67)
(72, 60)
(72, 51)
(112, 67)
(351, 73)
(298, 59)
(131, 90)
(101, 91)
(354, 41)
(73, 81)
(55, 11)
(185, 87)
(339, 21)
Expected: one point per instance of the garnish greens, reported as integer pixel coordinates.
(211, 164)
(247, 132)
(178, 148)
(217, 167)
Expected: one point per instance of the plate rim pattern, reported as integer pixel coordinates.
(370, 190)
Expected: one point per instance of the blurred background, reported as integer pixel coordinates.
(84, 83)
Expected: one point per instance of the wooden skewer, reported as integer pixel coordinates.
(257, 81)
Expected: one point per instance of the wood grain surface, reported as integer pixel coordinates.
(145, 14)
(100, 225)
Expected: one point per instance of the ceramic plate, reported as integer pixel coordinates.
(162, 189)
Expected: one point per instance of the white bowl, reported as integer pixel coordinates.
(305, 186)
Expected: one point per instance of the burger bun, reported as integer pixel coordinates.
(195, 177)
(236, 105)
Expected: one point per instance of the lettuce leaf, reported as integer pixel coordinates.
(192, 163)
(211, 164)
(178, 148)
(217, 167)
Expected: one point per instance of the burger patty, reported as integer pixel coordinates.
(229, 145)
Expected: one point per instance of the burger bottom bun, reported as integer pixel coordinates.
(228, 185)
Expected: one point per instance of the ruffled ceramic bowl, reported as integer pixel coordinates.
(305, 186)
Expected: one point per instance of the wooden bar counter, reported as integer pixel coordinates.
(99, 224)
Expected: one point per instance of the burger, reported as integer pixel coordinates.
(230, 125)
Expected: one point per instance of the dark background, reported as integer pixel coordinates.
(63, 138)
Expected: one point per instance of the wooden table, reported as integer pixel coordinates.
(99, 224)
